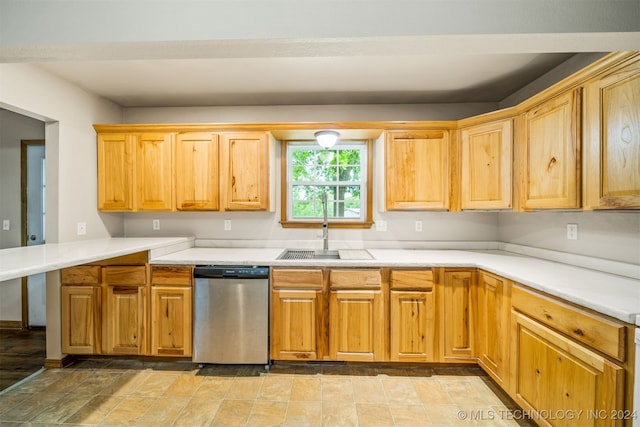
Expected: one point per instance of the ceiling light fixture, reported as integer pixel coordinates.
(326, 138)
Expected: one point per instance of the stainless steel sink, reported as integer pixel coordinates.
(351, 254)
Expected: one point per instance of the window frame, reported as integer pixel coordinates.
(366, 220)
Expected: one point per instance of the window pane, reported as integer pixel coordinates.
(349, 173)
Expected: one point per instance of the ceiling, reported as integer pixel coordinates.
(308, 80)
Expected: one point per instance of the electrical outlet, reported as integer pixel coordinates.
(156, 224)
(227, 225)
(6, 224)
(572, 231)
(418, 225)
(81, 228)
(381, 225)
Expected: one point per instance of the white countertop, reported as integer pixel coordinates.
(616, 296)
(24, 261)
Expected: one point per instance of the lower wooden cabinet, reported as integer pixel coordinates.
(492, 326)
(412, 322)
(171, 321)
(81, 319)
(125, 320)
(552, 374)
(459, 298)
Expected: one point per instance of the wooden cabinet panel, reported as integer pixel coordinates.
(356, 325)
(115, 172)
(81, 275)
(552, 374)
(595, 331)
(297, 324)
(171, 275)
(125, 319)
(297, 278)
(487, 165)
(81, 319)
(417, 170)
(244, 171)
(550, 163)
(171, 321)
(197, 171)
(613, 138)
(459, 301)
(413, 336)
(494, 302)
(422, 279)
(154, 171)
(355, 279)
(125, 275)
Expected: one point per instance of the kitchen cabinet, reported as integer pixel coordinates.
(413, 332)
(357, 321)
(486, 165)
(417, 170)
(493, 326)
(298, 314)
(154, 171)
(81, 316)
(244, 171)
(459, 301)
(125, 315)
(549, 156)
(612, 138)
(197, 171)
(116, 156)
(171, 311)
(563, 357)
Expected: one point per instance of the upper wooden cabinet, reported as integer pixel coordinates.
(154, 171)
(115, 172)
(549, 160)
(487, 153)
(244, 171)
(197, 171)
(417, 170)
(612, 138)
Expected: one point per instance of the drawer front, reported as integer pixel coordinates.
(285, 278)
(170, 275)
(355, 279)
(125, 275)
(81, 275)
(597, 332)
(412, 279)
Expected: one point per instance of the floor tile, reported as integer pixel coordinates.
(276, 388)
(368, 390)
(233, 413)
(265, 413)
(198, 412)
(337, 389)
(409, 415)
(304, 413)
(339, 414)
(245, 388)
(374, 415)
(94, 410)
(306, 388)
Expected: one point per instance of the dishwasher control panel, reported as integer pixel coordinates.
(231, 271)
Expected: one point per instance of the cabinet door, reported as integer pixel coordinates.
(154, 171)
(171, 325)
(244, 171)
(296, 324)
(550, 164)
(115, 172)
(459, 301)
(552, 374)
(486, 165)
(124, 319)
(613, 137)
(417, 170)
(197, 174)
(356, 325)
(80, 323)
(412, 326)
(493, 326)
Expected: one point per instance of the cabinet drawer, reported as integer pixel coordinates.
(602, 334)
(125, 275)
(81, 275)
(412, 279)
(171, 276)
(297, 278)
(355, 279)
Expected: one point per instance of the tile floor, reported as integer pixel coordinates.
(22, 352)
(119, 392)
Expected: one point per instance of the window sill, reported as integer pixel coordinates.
(332, 224)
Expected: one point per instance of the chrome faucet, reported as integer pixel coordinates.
(325, 223)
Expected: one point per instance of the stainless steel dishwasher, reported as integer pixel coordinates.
(231, 315)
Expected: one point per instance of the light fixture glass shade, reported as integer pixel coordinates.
(326, 138)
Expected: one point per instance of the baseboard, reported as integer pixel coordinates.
(59, 363)
(10, 324)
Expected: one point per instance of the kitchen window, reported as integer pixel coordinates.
(343, 171)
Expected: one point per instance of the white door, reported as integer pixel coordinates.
(35, 213)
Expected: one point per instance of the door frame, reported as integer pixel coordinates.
(23, 219)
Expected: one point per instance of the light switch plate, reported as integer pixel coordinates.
(156, 224)
(418, 225)
(6, 224)
(227, 225)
